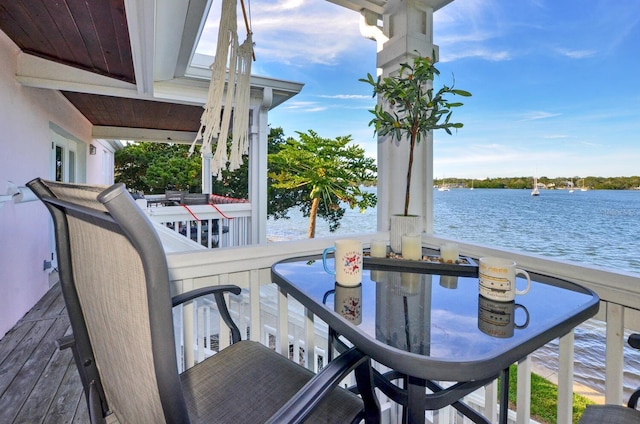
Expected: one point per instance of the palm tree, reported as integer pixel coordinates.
(321, 172)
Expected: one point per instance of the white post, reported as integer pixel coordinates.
(258, 152)
(409, 27)
(206, 155)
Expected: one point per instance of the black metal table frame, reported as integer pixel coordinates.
(413, 397)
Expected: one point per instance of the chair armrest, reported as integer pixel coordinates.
(297, 409)
(218, 293)
(634, 341)
(193, 294)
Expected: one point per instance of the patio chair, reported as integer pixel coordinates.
(115, 282)
(174, 197)
(195, 199)
(615, 414)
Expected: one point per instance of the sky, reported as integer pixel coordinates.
(555, 83)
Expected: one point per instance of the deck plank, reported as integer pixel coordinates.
(22, 352)
(69, 401)
(39, 383)
(43, 390)
(30, 371)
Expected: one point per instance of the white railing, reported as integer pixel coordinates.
(210, 226)
(272, 318)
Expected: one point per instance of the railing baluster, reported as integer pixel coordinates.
(491, 401)
(524, 391)
(200, 330)
(614, 362)
(254, 304)
(309, 341)
(565, 378)
(282, 338)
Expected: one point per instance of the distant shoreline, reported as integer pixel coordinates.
(560, 183)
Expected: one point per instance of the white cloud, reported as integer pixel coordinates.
(534, 116)
(576, 54)
(469, 29)
(346, 97)
(454, 53)
(294, 31)
(305, 107)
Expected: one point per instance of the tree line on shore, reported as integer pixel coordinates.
(591, 183)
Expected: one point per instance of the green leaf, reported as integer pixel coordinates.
(461, 93)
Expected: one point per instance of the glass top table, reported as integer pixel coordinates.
(431, 323)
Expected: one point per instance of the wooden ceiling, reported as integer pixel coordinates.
(135, 113)
(92, 36)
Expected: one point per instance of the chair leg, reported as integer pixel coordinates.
(633, 400)
(366, 387)
(95, 406)
(69, 342)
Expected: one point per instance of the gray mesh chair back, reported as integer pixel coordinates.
(119, 272)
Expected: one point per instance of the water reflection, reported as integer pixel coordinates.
(498, 319)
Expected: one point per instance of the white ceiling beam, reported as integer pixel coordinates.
(34, 71)
(380, 6)
(194, 23)
(171, 21)
(142, 134)
(141, 18)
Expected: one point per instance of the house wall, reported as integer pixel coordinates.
(100, 166)
(27, 118)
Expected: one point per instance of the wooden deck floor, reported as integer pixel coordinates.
(39, 383)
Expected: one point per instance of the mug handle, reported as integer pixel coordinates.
(526, 313)
(526, 275)
(325, 252)
(330, 292)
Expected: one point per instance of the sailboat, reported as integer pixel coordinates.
(535, 191)
(583, 188)
(571, 186)
(444, 186)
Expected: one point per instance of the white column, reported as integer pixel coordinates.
(206, 155)
(409, 27)
(258, 167)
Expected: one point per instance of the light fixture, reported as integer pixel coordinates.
(92, 149)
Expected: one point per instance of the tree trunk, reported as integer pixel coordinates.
(313, 214)
(412, 145)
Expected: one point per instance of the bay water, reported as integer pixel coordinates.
(595, 227)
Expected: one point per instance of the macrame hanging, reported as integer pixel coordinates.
(216, 119)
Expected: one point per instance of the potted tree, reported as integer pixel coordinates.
(409, 108)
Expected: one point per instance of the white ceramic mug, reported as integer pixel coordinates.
(498, 279)
(498, 319)
(348, 262)
(348, 302)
